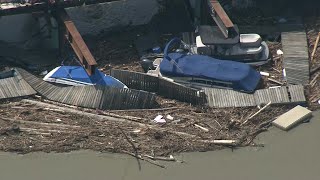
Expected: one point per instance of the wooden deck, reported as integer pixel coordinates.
(97, 97)
(214, 97)
(228, 98)
(296, 57)
(142, 81)
(15, 87)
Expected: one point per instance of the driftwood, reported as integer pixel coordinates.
(315, 47)
(132, 118)
(137, 110)
(171, 158)
(133, 147)
(275, 81)
(90, 110)
(221, 142)
(254, 134)
(47, 109)
(40, 123)
(43, 130)
(255, 114)
(276, 58)
(82, 113)
(314, 70)
(202, 128)
(144, 159)
(314, 80)
(105, 118)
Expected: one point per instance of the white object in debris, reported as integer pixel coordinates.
(169, 117)
(279, 52)
(264, 74)
(319, 101)
(292, 117)
(58, 120)
(273, 87)
(136, 131)
(159, 119)
(199, 42)
(284, 73)
(44, 73)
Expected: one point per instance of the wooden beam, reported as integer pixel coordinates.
(315, 47)
(220, 17)
(77, 43)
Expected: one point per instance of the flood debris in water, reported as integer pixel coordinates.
(29, 128)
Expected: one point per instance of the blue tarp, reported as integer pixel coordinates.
(242, 76)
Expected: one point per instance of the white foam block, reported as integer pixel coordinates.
(292, 117)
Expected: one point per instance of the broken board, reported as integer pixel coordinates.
(292, 117)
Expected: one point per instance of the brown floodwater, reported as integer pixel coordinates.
(289, 155)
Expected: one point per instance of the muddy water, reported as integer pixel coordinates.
(290, 155)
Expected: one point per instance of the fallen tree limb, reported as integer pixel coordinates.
(133, 147)
(144, 159)
(255, 114)
(162, 158)
(254, 134)
(40, 123)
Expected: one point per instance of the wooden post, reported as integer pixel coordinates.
(315, 47)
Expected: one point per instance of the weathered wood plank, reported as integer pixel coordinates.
(296, 57)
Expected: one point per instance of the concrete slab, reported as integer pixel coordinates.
(292, 117)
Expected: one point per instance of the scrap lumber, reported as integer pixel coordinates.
(105, 118)
(275, 81)
(255, 114)
(221, 142)
(39, 123)
(314, 80)
(202, 128)
(314, 70)
(315, 47)
(292, 117)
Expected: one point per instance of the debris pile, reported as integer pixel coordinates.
(313, 28)
(28, 126)
(188, 115)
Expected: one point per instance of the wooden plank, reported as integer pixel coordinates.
(296, 57)
(297, 93)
